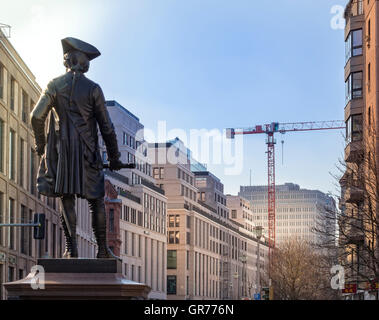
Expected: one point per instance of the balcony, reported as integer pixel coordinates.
(354, 195)
(354, 152)
(354, 231)
(354, 14)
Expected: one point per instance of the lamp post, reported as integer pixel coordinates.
(258, 233)
(243, 259)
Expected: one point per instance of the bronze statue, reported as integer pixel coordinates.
(71, 166)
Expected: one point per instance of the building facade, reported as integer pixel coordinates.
(208, 256)
(139, 237)
(298, 211)
(359, 240)
(19, 163)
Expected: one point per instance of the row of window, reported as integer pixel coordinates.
(130, 141)
(27, 104)
(158, 173)
(354, 128)
(354, 86)
(220, 199)
(155, 269)
(132, 245)
(154, 204)
(295, 231)
(187, 192)
(131, 215)
(25, 234)
(23, 159)
(185, 176)
(281, 209)
(293, 195)
(295, 223)
(155, 223)
(354, 44)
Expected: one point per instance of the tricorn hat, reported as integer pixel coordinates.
(69, 44)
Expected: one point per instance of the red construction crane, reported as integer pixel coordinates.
(270, 130)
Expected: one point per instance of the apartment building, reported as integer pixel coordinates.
(208, 256)
(19, 164)
(298, 211)
(141, 239)
(358, 239)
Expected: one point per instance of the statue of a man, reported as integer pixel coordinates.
(71, 164)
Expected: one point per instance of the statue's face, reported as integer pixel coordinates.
(83, 61)
(76, 61)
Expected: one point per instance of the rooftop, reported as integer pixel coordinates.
(113, 103)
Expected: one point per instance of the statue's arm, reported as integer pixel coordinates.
(39, 114)
(105, 124)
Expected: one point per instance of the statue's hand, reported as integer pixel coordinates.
(115, 164)
(40, 149)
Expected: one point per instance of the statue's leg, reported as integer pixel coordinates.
(99, 225)
(69, 226)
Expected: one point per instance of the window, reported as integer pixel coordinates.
(21, 164)
(171, 259)
(25, 106)
(234, 214)
(1, 145)
(177, 221)
(354, 128)
(23, 236)
(126, 242)
(1, 83)
(171, 221)
(111, 220)
(125, 139)
(140, 218)
(171, 284)
(1, 220)
(354, 44)
(156, 173)
(32, 172)
(11, 219)
(173, 237)
(12, 148)
(360, 6)
(10, 274)
(133, 243)
(353, 86)
(13, 93)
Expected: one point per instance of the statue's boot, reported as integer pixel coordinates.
(69, 225)
(99, 225)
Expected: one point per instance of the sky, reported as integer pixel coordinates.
(207, 64)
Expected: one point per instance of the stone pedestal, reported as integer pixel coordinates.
(67, 279)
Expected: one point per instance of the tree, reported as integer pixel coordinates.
(295, 273)
(358, 220)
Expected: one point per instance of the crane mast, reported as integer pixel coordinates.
(270, 130)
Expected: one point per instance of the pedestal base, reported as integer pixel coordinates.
(67, 279)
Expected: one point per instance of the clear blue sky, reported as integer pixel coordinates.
(207, 64)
